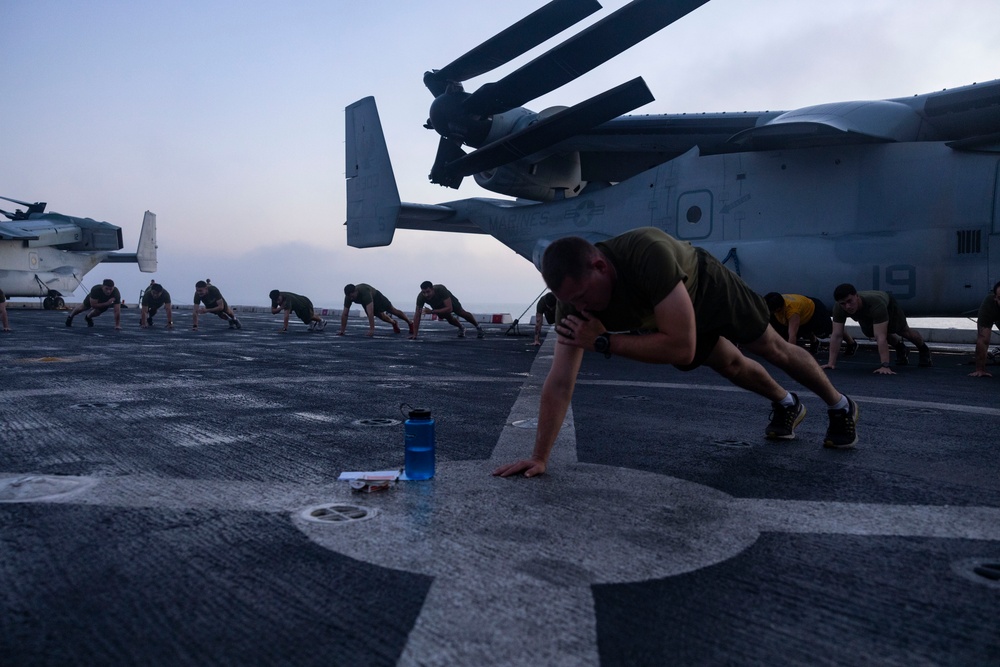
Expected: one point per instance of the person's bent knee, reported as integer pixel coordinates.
(769, 344)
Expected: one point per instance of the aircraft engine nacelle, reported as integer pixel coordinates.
(100, 237)
(554, 178)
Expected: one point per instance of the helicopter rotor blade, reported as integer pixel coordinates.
(22, 203)
(37, 207)
(542, 24)
(551, 130)
(448, 151)
(579, 54)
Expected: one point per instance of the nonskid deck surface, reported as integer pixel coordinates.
(168, 497)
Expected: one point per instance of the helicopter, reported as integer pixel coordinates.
(47, 254)
(900, 195)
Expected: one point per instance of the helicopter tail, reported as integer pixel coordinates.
(373, 204)
(145, 254)
(374, 211)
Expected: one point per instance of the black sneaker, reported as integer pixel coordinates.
(850, 348)
(925, 357)
(842, 433)
(69, 320)
(90, 322)
(237, 322)
(784, 420)
(902, 354)
(480, 333)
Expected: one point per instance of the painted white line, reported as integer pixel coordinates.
(795, 516)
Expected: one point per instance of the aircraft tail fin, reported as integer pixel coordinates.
(374, 211)
(146, 252)
(373, 204)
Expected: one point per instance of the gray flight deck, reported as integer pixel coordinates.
(168, 498)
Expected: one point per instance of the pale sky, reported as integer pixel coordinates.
(226, 118)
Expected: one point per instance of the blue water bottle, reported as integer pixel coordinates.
(419, 433)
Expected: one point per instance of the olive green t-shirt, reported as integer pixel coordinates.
(292, 301)
(876, 307)
(649, 263)
(368, 294)
(150, 301)
(546, 308)
(441, 294)
(99, 298)
(989, 313)
(212, 297)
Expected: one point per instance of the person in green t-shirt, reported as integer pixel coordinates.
(154, 298)
(445, 305)
(3, 311)
(298, 304)
(879, 317)
(545, 310)
(212, 303)
(989, 316)
(99, 299)
(374, 305)
(647, 296)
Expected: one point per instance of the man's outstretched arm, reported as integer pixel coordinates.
(557, 392)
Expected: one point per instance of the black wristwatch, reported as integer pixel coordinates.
(885, 364)
(602, 344)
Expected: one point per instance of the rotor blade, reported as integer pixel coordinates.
(37, 207)
(578, 55)
(22, 203)
(447, 151)
(550, 131)
(526, 34)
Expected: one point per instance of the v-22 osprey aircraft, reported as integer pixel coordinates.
(48, 254)
(901, 195)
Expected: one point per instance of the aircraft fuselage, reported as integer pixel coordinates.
(915, 219)
(35, 271)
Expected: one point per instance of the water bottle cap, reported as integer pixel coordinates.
(420, 413)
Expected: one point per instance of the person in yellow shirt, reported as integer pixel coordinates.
(796, 316)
